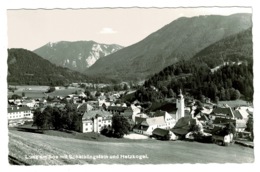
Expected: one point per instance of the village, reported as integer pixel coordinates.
(181, 118)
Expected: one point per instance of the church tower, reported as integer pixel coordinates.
(180, 106)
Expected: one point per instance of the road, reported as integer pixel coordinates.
(33, 148)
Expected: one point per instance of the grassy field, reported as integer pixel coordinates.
(35, 148)
(234, 103)
(39, 91)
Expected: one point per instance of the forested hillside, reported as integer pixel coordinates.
(232, 79)
(27, 68)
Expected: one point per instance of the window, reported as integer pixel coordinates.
(99, 120)
(86, 129)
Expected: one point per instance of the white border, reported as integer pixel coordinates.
(48, 4)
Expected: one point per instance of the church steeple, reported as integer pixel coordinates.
(180, 106)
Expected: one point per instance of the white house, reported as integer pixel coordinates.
(95, 121)
(29, 103)
(18, 115)
(161, 119)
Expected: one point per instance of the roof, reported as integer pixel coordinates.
(244, 113)
(94, 113)
(139, 119)
(155, 121)
(18, 109)
(168, 107)
(160, 132)
(117, 108)
(237, 114)
(226, 111)
(84, 107)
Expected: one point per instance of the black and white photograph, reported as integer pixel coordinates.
(132, 85)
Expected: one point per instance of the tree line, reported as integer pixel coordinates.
(229, 82)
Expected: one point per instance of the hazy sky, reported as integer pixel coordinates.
(31, 29)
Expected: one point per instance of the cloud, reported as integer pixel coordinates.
(107, 30)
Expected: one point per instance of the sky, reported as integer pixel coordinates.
(31, 29)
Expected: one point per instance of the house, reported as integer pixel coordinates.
(29, 103)
(161, 119)
(116, 109)
(18, 115)
(163, 134)
(223, 115)
(139, 115)
(85, 107)
(131, 111)
(222, 112)
(95, 121)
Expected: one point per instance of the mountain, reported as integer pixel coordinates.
(26, 67)
(195, 75)
(235, 48)
(76, 55)
(179, 40)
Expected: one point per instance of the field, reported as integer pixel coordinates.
(233, 103)
(34, 148)
(39, 91)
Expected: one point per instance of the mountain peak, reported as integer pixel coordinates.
(179, 40)
(77, 55)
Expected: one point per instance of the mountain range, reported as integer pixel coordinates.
(27, 68)
(180, 40)
(232, 77)
(77, 55)
(209, 40)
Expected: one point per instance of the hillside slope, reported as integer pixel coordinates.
(179, 40)
(238, 47)
(77, 55)
(26, 144)
(230, 81)
(27, 68)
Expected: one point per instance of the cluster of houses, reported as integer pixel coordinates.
(97, 115)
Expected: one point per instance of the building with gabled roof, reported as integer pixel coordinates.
(160, 119)
(95, 121)
(18, 115)
(84, 107)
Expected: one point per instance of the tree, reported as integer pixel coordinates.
(98, 94)
(87, 92)
(42, 120)
(51, 89)
(171, 93)
(164, 90)
(15, 96)
(125, 87)
(250, 126)
(120, 125)
(57, 119)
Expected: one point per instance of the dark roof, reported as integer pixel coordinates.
(237, 114)
(85, 107)
(140, 127)
(160, 132)
(18, 109)
(117, 108)
(168, 107)
(227, 112)
(139, 119)
(159, 113)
